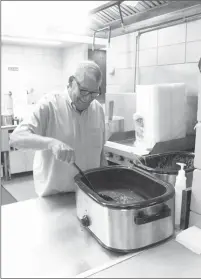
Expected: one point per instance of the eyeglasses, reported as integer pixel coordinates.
(85, 93)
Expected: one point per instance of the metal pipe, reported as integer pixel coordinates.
(155, 17)
(171, 23)
(109, 36)
(100, 30)
(136, 59)
(93, 45)
(122, 21)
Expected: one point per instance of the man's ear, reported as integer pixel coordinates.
(70, 81)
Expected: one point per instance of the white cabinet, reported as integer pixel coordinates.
(21, 161)
(17, 161)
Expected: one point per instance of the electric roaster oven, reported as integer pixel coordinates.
(140, 214)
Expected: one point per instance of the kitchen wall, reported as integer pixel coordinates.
(99, 56)
(121, 77)
(39, 71)
(171, 55)
(166, 55)
(120, 64)
(71, 56)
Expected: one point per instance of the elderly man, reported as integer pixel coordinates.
(65, 128)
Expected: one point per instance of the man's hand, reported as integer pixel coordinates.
(62, 151)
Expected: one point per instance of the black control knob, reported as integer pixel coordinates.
(85, 221)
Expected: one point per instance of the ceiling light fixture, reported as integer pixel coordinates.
(7, 39)
(81, 39)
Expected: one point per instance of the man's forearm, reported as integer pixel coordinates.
(28, 140)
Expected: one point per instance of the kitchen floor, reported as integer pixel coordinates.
(19, 188)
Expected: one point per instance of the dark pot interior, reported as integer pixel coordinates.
(121, 180)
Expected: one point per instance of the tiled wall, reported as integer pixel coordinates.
(166, 55)
(40, 68)
(121, 77)
(121, 60)
(70, 57)
(171, 55)
(125, 106)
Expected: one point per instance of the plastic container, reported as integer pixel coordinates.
(160, 113)
(8, 104)
(180, 185)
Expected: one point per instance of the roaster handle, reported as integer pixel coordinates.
(142, 218)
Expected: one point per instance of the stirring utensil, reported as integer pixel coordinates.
(138, 160)
(105, 197)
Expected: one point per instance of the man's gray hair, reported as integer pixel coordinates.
(86, 68)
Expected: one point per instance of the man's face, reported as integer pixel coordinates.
(84, 90)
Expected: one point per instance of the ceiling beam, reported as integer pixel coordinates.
(173, 10)
(155, 22)
(104, 6)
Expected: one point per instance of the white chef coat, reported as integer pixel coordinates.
(56, 117)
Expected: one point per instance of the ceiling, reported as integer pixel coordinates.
(109, 12)
(121, 15)
(64, 23)
(56, 23)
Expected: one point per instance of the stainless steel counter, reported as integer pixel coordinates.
(169, 260)
(43, 238)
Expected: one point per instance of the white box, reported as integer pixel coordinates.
(161, 110)
(197, 160)
(196, 192)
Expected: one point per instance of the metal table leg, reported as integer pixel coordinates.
(6, 165)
